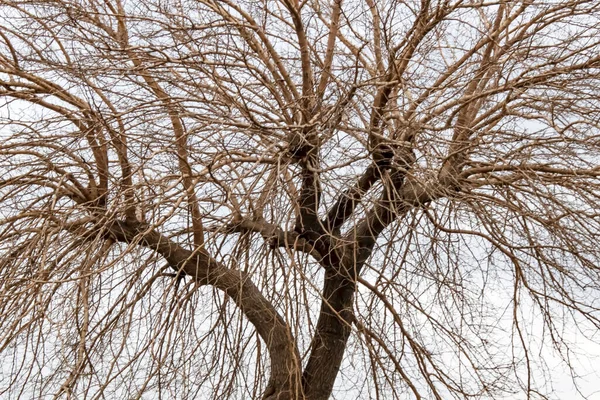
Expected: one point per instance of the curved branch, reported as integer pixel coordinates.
(273, 330)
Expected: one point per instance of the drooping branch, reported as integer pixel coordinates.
(451, 167)
(204, 269)
(399, 62)
(269, 57)
(179, 132)
(34, 93)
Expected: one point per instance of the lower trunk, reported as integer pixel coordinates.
(331, 336)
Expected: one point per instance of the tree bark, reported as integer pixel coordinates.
(284, 382)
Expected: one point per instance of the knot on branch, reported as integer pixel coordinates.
(449, 175)
(126, 230)
(389, 154)
(301, 144)
(308, 233)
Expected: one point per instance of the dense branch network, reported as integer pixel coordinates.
(368, 187)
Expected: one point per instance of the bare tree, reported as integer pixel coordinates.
(245, 199)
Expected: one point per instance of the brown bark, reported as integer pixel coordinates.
(284, 381)
(337, 170)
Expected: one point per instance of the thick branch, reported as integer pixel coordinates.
(394, 75)
(270, 57)
(307, 220)
(333, 31)
(307, 73)
(350, 198)
(273, 330)
(276, 237)
(448, 174)
(122, 37)
(333, 327)
(331, 335)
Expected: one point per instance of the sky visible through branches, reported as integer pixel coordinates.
(299, 199)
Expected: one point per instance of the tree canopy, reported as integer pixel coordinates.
(287, 199)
